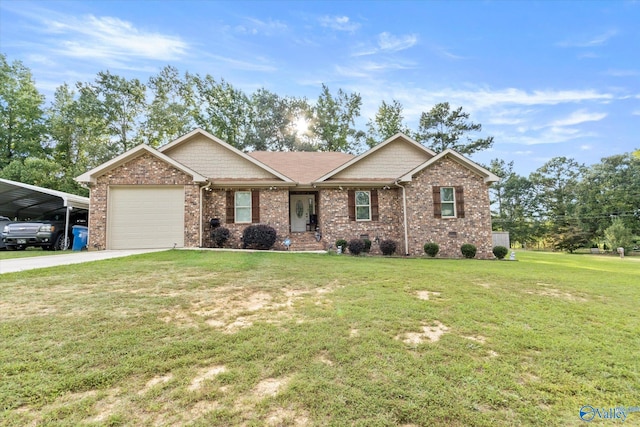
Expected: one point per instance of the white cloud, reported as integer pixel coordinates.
(622, 73)
(578, 117)
(255, 26)
(107, 37)
(339, 23)
(589, 41)
(586, 147)
(389, 42)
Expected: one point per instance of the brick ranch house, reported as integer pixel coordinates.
(400, 190)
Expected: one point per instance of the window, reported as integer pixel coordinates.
(448, 202)
(363, 206)
(243, 206)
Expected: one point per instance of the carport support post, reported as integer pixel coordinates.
(66, 228)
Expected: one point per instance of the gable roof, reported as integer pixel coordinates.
(135, 152)
(457, 157)
(302, 166)
(361, 157)
(254, 161)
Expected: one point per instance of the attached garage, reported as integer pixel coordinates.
(144, 199)
(141, 217)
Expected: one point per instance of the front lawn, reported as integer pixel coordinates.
(232, 338)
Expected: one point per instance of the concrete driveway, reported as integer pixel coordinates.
(31, 263)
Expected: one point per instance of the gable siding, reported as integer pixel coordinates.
(391, 161)
(212, 160)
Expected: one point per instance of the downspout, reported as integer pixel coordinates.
(404, 212)
(201, 197)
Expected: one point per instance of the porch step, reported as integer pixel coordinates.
(305, 241)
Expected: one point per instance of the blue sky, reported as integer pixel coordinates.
(545, 78)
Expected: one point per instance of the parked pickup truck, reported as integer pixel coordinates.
(47, 233)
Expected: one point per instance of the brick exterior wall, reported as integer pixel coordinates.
(449, 233)
(474, 228)
(334, 222)
(332, 209)
(143, 170)
(274, 211)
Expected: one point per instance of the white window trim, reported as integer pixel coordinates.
(442, 202)
(357, 205)
(235, 207)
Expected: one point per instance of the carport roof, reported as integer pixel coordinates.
(19, 200)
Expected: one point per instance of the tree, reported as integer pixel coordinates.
(219, 108)
(78, 133)
(123, 103)
(21, 114)
(168, 116)
(42, 172)
(441, 128)
(333, 120)
(618, 235)
(387, 122)
(272, 121)
(555, 185)
(610, 189)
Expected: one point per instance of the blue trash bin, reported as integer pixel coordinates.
(80, 235)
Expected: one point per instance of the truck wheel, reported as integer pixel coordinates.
(60, 244)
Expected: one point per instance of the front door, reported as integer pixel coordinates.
(301, 206)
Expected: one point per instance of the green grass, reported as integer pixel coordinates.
(29, 252)
(220, 338)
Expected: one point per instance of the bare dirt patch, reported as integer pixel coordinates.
(477, 338)
(425, 295)
(155, 381)
(284, 416)
(205, 374)
(431, 333)
(324, 358)
(549, 291)
(269, 387)
(232, 308)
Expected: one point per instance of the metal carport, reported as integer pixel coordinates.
(21, 202)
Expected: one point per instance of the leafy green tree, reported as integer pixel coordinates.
(618, 235)
(21, 114)
(219, 108)
(168, 116)
(334, 120)
(610, 189)
(79, 136)
(387, 122)
(42, 172)
(123, 103)
(441, 128)
(272, 121)
(556, 198)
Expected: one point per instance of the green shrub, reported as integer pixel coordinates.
(259, 236)
(343, 243)
(356, 246)
(500, 252)
(220, 236)
(431, 249)
(468, 250)
(388, 247)
(367, 245)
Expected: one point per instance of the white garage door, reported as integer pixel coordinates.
(145, 217)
